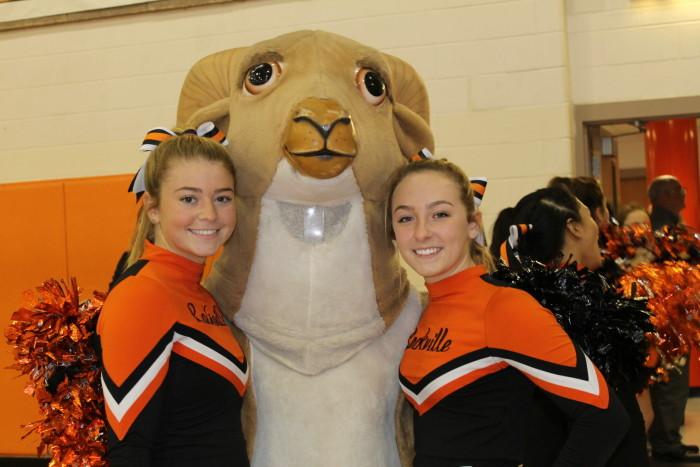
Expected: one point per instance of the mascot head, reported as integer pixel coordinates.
(321, 105)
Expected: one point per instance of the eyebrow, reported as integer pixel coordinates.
(431, 205)
(199, 190)
(263, 56)
(260, 57)
(440, 201)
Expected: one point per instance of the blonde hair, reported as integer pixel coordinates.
(184, 147)
(478, 253)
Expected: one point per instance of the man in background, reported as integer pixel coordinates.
(667, 198)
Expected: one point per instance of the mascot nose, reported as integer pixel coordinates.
(320, 138)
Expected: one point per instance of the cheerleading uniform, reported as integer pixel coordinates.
(470, 368)
(173, 375)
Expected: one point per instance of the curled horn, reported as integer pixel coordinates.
(206, 90)
(408, 88)
(411, 108)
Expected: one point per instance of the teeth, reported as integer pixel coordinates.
(203, 231)
(426, 251)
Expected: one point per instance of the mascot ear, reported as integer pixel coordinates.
(411, 108)
(206, 90)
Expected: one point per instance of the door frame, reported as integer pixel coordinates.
(618, 112)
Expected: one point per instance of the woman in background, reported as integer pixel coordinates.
(631, 214)
(564, 231)
(589, 192)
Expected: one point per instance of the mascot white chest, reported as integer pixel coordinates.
(311, 315)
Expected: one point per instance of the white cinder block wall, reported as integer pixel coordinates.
(76, 99)
(503, 75)
(630, 50)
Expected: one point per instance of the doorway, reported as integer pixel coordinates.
(610, 144)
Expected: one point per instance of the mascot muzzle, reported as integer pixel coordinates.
(320, 138)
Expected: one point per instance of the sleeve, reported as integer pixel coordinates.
(135, 335)
(594, 433)
(528, 338)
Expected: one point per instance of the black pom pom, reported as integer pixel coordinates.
(608, 327)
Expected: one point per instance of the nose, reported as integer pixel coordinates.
(207, 211)
(422, 230)
(320, 138)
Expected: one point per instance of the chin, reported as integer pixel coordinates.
(205, 253)
(425, 273)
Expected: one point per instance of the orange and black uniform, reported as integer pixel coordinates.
(173, 374)
(470, 368)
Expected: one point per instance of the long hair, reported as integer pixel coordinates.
(479, 254)
(185, 147)
(548, 210)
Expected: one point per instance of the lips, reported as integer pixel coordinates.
(204, 232)
(424, 252)
(324, 154)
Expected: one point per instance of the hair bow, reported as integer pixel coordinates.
(509, 247)
(157, 135)
(478, 186)
(422, 154)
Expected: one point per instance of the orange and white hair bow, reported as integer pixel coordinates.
(157, 135)
(478, 185)
(509, 248)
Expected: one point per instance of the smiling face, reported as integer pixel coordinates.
(431, 225)
(196, 213)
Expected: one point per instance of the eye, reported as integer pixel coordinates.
(371, 85)
(261, 76)
(188, 199)
(224, 199)
(404, 219)
(441, 214)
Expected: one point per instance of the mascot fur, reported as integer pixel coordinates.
(317, 122)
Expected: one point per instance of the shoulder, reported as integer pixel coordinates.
(505, 295)
(135, 299)
(518, 323)
(517, 308)
(137, 288)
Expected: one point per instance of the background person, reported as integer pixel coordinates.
(589, 192)
(667, 198)
(631, 214)
(564, 231)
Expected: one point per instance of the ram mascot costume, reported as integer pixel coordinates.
(317, 123)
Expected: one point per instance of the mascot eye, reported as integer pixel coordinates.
(371, 86)
(261, 76)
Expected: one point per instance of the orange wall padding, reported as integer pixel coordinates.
(57, 229)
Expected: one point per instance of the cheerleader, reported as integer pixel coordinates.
(173, 374)
(481, 347)
(559, 230)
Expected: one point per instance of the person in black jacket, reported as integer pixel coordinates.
(667, 198)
